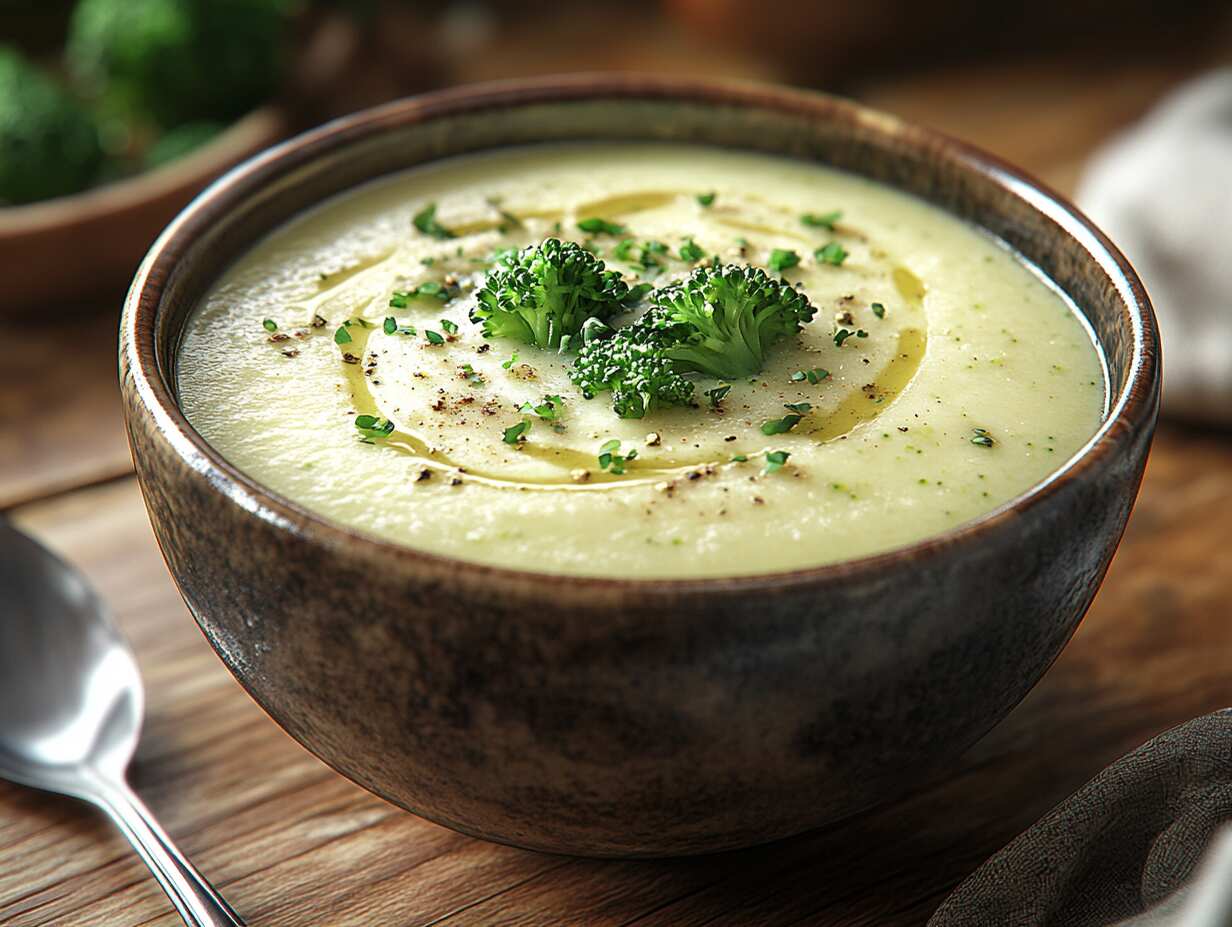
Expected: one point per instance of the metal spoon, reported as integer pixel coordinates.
(71, 706)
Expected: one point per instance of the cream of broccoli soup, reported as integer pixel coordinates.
(639, 361)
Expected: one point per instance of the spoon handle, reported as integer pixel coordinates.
(193, 897)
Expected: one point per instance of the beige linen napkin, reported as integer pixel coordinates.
(1163, 193)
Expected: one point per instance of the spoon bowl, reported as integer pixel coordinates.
(71, 705)
(70, 690)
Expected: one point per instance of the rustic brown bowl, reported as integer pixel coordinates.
(610, 716)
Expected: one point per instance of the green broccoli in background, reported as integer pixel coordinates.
(178, 142)
(718, 322)
(179, 61)
(544, 294)
(49, 144)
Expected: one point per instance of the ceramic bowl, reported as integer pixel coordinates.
(621, 717)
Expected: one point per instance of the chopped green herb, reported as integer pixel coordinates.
(508, 220)
(623, 248)
(473, 376)
(690, 251)
(513, 359)
(814, 376)
(739, 458)
(391, 327)
(982, 438)
(781, 259)
(718, 394)
(706, 200)
(842, 335)
(598, 226)
(516, 433)
(342, 336)
(547, 410)
(434, 337)
(779, 426)
(861, 333)
(833, 253)
(879, 310)
(803, 408)
(650, 249)
(425, 221)
(400, 299)
(270, 325)
(775, 460)
(371, 427)
(825, 220)
(451, 328)
(611, 459)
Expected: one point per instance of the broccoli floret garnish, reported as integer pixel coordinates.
(720, 321)
(633, 367)
(179, 61)
(48, 143)
(545, 293)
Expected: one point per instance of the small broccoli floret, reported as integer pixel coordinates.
(720, 321)
(632, 366)
(179, 61)
(48, 143)
(545, 293)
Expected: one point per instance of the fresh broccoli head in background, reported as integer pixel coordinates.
(48, 143)
(720, 321)
(180, 141)
(543, 294)
(632, 366)
(179, 61)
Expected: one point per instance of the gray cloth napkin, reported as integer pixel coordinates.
(1117, 850)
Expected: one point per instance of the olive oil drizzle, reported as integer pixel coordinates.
(855, 410)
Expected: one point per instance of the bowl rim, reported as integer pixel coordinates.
(1130, 410)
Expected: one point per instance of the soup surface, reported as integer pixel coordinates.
(939, 377)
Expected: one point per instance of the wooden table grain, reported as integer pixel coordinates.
(291, 843)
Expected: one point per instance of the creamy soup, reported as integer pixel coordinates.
(939, 378)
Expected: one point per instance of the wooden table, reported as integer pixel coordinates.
(292, 843)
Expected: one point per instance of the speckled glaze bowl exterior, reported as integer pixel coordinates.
(605, 716)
